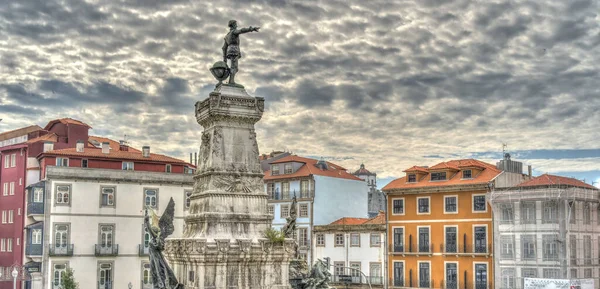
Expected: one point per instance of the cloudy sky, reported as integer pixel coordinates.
(388, 83)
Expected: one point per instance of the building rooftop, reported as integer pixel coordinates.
(550, 180)
(363, 171)
(377, 220)
(488, 172)
(96, 141)
(65, 121)
(309, 168)
(51, 137)
(19, 132)
(133, 155)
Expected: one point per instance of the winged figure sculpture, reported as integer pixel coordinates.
(159, 229)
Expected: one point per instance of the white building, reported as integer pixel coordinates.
(355, 243)
(546, 227)
(325, 192)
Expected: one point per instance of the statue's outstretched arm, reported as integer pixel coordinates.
(246, 30)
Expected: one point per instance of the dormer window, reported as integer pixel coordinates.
(275, 170)
(467, 174)
(287, 168)
(412, 178)
(438, 176)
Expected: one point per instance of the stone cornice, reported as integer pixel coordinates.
(364, 228)
(437, 189)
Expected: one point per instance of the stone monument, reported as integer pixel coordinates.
(223, 245)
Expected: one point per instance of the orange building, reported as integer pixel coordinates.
(439, 226)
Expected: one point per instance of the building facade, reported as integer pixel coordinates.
(325, 192)
(376, 197)
(440, 225)
(547, 227)
(354, 247)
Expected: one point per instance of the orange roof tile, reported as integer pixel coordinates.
(309, 168)
(379, 219)
(349, 221)
(66, 121)
(488, 173)
(416, 169)
(114, 154)
(52, 137)
(446, 165)
(548, 180)
(19, 132)
(470, 164)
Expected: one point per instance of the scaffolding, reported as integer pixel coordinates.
(547, 232)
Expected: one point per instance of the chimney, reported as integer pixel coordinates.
(48, 146)
(196, 159)
(79, 146)
(146, 151)
(191, 158)
(106, 148)
(529, 171)
(123, 146)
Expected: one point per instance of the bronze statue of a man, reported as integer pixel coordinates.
(231, 47)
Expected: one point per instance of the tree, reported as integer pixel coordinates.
(68, 280)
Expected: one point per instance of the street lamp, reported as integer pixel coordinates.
(15, 273)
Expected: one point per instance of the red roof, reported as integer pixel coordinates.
(488, 173)
(19, 132)
(548, 180)
(114, 154)
(470, 164)
(309, 168)
(416, 169)
(51, 137)
(65, 121)
(377, 220)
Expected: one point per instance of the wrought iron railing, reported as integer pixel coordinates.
(103, 250)
(61, 250)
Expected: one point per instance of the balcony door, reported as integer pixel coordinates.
(451, 276)
(398, 239)
(105, 276)
(480, 276)
(61, 239)
(106, 239)
(480, 239)
(424, 239)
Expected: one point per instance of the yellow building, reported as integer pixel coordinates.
(439, 226)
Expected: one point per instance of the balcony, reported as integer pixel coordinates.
(34, 249)
(103, 250)
(105, 285)
(35, 209)
(397, 248)
(347, 279)
(142, 250)
(300, 194)
(63, 250)
(468, 249)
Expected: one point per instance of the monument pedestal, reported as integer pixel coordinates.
(222, 244)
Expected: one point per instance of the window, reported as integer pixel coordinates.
(105, 272)
(18, 241)
(339, 240)
(481, 276)
(303, 210)
(84, 163)
(424, 275)
(2, 245)
(146, 238)
(466, 174)
(356, 269)
(12, 188)
(127, 166)
(287, 168)
(107, 196)
(479, 204)
(412, 178)
(271, 210)
(507, 216)
(587, 214)
(587, 249)
(398, 206)
(587, 273)
(375, 271)
(528, 213)
(451, 276)
(20, 181)
(285, 189)
(3, 217)
(528, 244)
(167, 168)
(450, 204)
(38, 195)
(285, 211)
(63, 194)
(550, 247)
(271, 191)
(188, 199)
(551, 273)
(303, 237)
(5, 190)
(423, 205)
(572, 212)
(398, 274)
(354, 240)
(480, 239)
(573, 249)
(424, 239)
(573, 273)
(339, 268)
(6, 161)
(151, 198)
(550, 213)
(9, 245)
(146, 277)
(10, 216)
(451, 239)
(62, 162)
(275, 170)
(507, 244)
(61, 239)
(36, 236)
(19, 211)
(106, 236)
(59, 271)
(398, 240)
(304, 191)
(527, 273)
(13, 160)
(320, 240)
(375, 240)
(439, 176)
